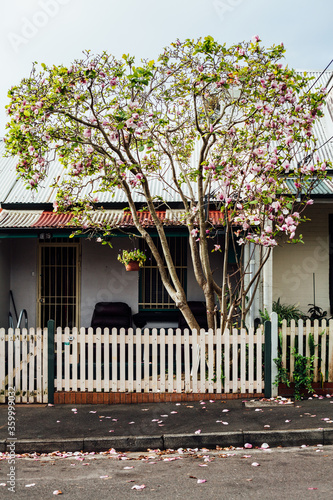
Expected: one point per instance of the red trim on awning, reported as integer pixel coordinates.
(52, 219)
(145, 218)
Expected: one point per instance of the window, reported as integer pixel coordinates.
(153, 295)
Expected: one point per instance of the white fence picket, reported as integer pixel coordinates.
(154, 361)
(24, 366)
(82, 340)
(170, 359)
(138, 360)
(251, 360)
(59, 358)
(211, 362)
(74, 358)
(66, 359)
(330, 352)
(202, 343)
(187, 376)
(90, 360)
(106, 374)
(226, 341)
(195, 361)
(162, 359)
(178, 361)
(31, 366)
(234, 360)
(122, 362)
(218, 361)
(146, 360)
(17, 349)
(243, 361)
(130, 366)
(10, 374)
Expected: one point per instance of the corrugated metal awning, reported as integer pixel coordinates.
(114, 218)
(19, 218)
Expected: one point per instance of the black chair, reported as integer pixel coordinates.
(200, 312)
(112, 315)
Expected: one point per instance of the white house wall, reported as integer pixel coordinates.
(104, 279)
(23, 276)
(4, 281)
(294, 265)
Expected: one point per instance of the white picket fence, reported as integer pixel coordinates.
(297, 336)
(23, 365)
(132, 361)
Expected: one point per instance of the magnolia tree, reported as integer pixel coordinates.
(214, 124)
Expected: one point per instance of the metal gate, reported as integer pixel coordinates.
(58, 283)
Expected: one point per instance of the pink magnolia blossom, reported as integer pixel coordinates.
(87, 133)
(133, 104)
(194, 233)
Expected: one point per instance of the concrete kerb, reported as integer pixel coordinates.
(204, 440)
(123, 443)
(174, 441)
(283, 438)
(46, 446)
(328, 436)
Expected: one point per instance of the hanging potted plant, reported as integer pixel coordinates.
(132, 260)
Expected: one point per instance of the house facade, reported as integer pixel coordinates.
(53, 276)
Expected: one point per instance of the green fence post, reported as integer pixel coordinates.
(50, 361)
(274, 353)
(268, 359)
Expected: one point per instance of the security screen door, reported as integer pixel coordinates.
(58, 288)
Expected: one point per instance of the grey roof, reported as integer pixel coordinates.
(14, 191)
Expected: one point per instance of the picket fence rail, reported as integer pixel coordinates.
(131, 361)
(308, 339)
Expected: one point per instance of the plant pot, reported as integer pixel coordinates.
(132, 266)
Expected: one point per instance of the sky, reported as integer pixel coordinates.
(57, 31)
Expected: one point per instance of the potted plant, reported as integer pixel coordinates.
(132, 259)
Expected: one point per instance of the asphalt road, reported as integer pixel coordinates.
(283, 473)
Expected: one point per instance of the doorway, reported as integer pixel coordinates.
(58, 283)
